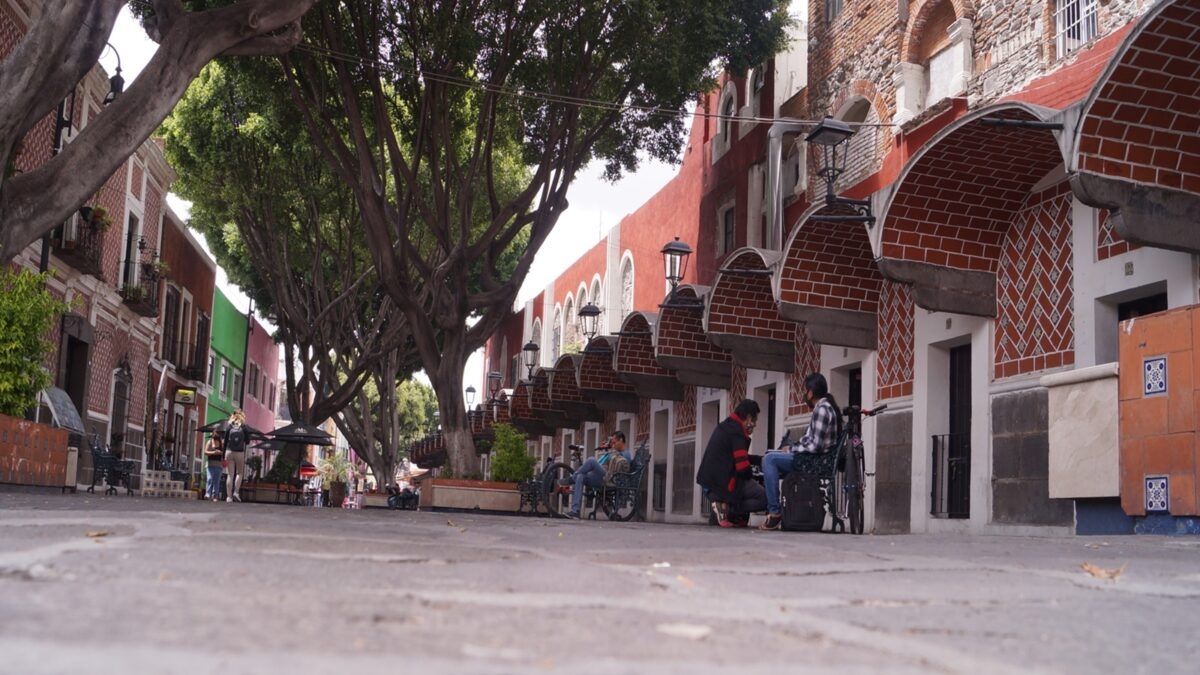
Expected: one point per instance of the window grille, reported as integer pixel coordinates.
(1075, 24)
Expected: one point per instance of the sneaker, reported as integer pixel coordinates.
(772, 522)
(573, 515)
(237, 498)
(741, 521)
(721, 511)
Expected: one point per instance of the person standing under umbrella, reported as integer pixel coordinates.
(214, 453)
(236, 438)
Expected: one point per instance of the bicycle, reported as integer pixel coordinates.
(619, 501)
(849, 479)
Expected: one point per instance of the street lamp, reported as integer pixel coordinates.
(831, 135)
(116, 83)
(529, 356)
(470, 396)
(675, 258)
(494, 380)
(589, 317)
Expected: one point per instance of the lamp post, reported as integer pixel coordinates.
(589, 318)
(529, 356)
(116, 83)
(675, 259)
(494, 380)
(470, 396)
(830, 135)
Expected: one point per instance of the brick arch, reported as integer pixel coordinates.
(598, 379)
(947, 214)
(564, 394)
(828, 280)
(520, 414)
(742, 315)
(543, 408)
(680, 344)
(636, 363)
(869, 145)
(963, 9)
(1136, 151)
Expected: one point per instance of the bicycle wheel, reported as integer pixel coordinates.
(556, 486)
(620, 504)
(854, 489)
(835, 499)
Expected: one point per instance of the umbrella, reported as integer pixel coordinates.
(298, 432)
(307, 469)
(220, 426)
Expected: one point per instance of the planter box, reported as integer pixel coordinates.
(33, 454)
(453, 493)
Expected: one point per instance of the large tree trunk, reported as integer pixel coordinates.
(447, 381)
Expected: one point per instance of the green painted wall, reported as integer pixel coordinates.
(229, 350)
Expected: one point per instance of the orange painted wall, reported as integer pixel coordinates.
(1158, 431)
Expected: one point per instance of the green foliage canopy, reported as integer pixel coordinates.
(27, 314)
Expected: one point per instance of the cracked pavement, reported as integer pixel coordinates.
(120, 584)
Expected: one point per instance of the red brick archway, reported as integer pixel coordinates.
(543, 408)
(1137, 153)
(742, 315)
(598, 380)
(681, 346)
(636, 363)
(829, 281)
(945, 222)
(564, 391)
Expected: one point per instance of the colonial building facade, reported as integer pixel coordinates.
(1032, 178)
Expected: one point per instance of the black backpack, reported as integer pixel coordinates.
(235, 439)
(802, 503)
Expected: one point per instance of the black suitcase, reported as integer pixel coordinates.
(801, 502)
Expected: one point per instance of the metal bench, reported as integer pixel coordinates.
(621, 499)
(110, 468)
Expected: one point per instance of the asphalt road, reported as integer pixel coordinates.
(93, 584)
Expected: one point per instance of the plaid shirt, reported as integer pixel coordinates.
(822, 430)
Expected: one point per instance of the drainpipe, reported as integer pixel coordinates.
(774, 179)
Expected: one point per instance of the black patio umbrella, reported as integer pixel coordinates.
(220, 426)
(298, 432)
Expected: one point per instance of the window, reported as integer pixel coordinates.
(556, 336)
(253, 380)
(271, 400)
(224, 381)
(170, 324)
(833, 8)
(727, 229)
(212, 370)
(132, 237)
(237, 385)
(1075, 24)
(728, 111)
(626, 288)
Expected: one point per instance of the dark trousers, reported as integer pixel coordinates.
(748, 497)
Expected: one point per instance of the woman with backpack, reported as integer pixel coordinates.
(236, 438)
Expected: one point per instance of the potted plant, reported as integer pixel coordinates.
(157, 269)
(335, 471)
(133, 292)
(101, 221)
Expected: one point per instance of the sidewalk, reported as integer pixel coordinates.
(197, 587)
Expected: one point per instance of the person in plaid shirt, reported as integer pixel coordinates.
(822, 433)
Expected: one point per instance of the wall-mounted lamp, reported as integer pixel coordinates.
(529, 356)
(470, 396)
(589, 318)
(494, 381)
(831, 135)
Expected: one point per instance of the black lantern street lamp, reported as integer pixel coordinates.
(831, 135)
(116, 83)
(494, 380)
(675, 258)
(470, 396)
(589, 318)
(529, 356)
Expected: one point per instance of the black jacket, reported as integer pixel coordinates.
(726, 460)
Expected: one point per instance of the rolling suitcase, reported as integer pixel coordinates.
(802, 506)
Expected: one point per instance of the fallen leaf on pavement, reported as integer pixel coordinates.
(691, 631)
(685, 581)
(661, 564)
(450, 523)
(96, 534)
(560, 534)
(1101, 573)
(462, 529)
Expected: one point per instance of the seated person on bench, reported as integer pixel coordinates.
(594, 470)
(819, 438)
(725, 473)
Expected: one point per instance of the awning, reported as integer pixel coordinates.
(62, 408)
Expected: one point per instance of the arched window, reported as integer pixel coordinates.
(626, 288)
(937, 59)
(570, 325)
(557, 336)
(537, 332)
(601, 326)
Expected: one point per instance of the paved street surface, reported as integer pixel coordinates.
(93, 584)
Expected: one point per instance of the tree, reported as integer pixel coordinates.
(285, 230)
(511, 461)
(413, 103)
(27, 313)
(63, 43)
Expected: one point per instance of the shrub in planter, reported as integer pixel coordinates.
(511, 463)
(27, 313)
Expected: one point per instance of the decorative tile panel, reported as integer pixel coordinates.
(1157, 494)
(896, 309)
(685, 412)
(1154, 376)
(1108, 241)
(808, 360)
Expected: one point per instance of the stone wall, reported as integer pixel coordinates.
(893, 473)
(1020, 462)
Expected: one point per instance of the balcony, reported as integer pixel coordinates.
(141, 296)
(190, 359)
(80, 241)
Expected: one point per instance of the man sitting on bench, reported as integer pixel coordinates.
(819, 438)
(594, 471)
